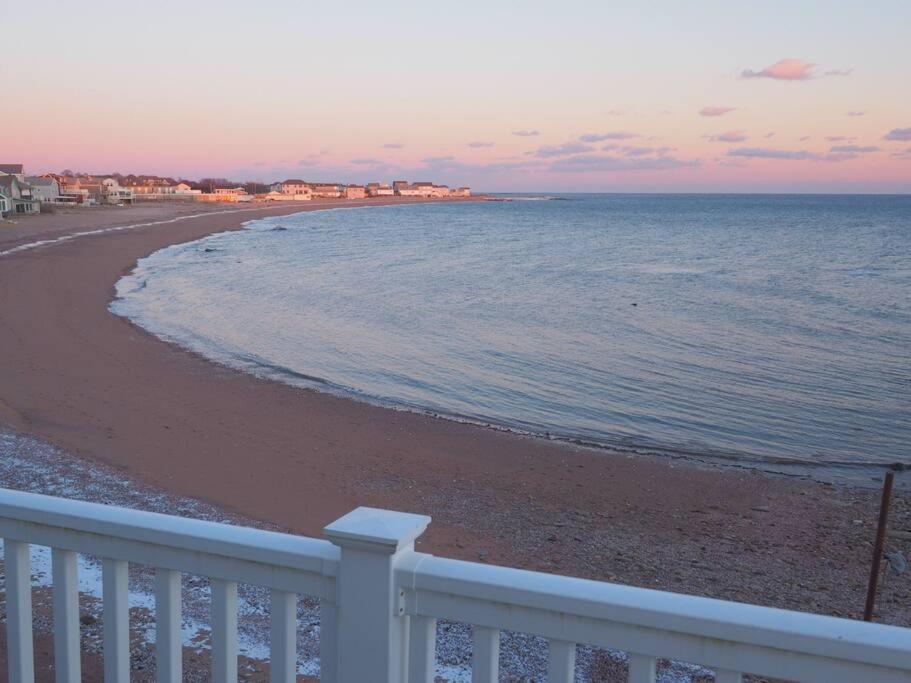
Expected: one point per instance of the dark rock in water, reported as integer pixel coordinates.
(209, 249)
(634, 304)
(279, 228)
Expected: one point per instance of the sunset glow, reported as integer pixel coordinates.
(504, 97)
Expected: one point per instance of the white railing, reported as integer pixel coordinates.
(380, 601)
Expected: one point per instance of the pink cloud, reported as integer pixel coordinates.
(728, 136)
(784, 70)
(839, 72)
(855, 113)
(715, 111)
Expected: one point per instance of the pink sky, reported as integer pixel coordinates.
(606, 99)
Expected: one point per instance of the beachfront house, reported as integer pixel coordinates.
(293, 187)
(355, 192)
(407, 190)
(379, 190)
(326, 191)
(45, 188)
(461, 192)
(113, 193)
(225, 194)
(20, 196)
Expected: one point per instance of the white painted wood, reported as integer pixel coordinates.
(116, 621)
(372, 626)
(19, 644)
(485, 656)
(561, 662)
(168, 625)
(224, 631)
(283, 641)
(67, 664)
(727, 676)
(378, 598)
(422, 650)
(641, 669)
(328, 642)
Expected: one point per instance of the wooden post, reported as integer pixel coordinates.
(878, 545)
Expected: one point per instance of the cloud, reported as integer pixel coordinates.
(607, 163)
(840, 138)
(562, 150)
(805, 138)
(614, 135)
(855, 113)
(637, 151)
(477, 144)
(839, 72)
(854, 149)
(437, 160)
(789, 155)
(769, 135)
(716, 111)
(393, 145)
(729, 136)
(526, 133)
(902, 134)
(904, 154)
(784, 70)
(367, 161)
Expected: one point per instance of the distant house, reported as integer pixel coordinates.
(226, 194)
(379, 190)
(461, 192)
(408, 191)
(398, 184)
(13, 169)
(45, 188)
(355, 192)
(113, 193)
(292, 187)
(19, 195)
(327, 191)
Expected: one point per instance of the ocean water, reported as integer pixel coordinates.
(768, 331)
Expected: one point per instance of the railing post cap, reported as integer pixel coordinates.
(382, 531)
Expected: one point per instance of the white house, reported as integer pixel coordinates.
(45, 188)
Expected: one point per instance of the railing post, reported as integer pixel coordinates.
(372, 627)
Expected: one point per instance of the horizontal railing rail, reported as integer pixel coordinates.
(380, 601)
(729, 636)
(228, 555)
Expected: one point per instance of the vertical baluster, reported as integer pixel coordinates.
(224, 631)
(561, 664)
(485, 659)
(641, 669)
(19, 647)
(283, 648)
(422, 650)
(67, 665)
(168, 664)
(328, 642)
(116, 621)
(727, 676)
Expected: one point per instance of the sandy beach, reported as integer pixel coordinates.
(96, 386)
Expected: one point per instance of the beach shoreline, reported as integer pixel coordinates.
(93, 384)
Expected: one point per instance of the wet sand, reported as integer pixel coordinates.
(93, 384)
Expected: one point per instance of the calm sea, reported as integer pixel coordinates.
(767, 330)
